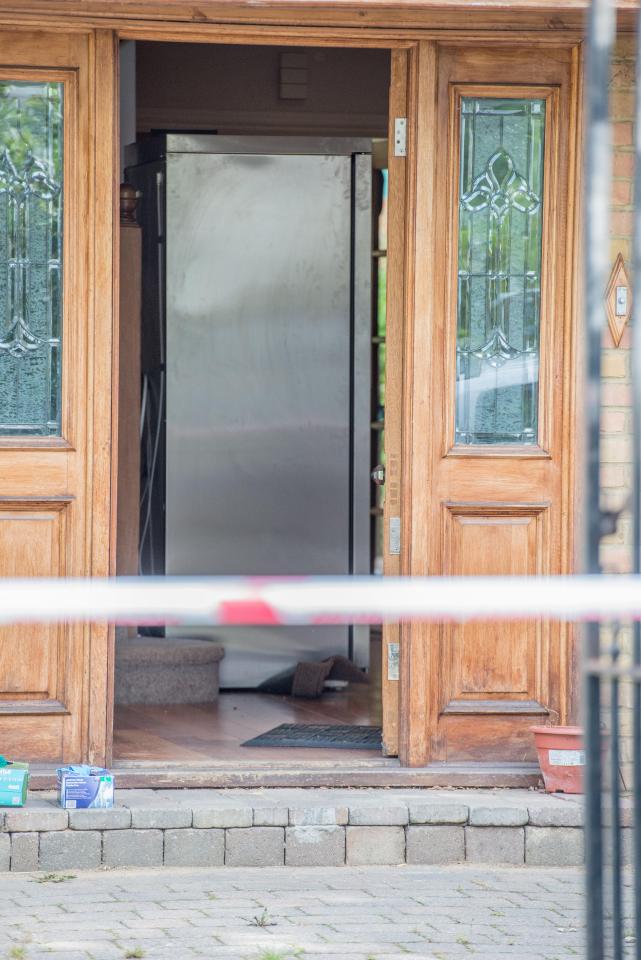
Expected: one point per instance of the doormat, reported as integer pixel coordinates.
(336, 735)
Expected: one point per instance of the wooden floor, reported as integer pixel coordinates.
(203, 732)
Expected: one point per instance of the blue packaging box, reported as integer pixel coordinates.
(81, 787)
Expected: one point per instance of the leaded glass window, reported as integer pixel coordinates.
(499, 270)
(31, 158)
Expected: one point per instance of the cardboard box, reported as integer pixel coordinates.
(82, 787)
(14, 780)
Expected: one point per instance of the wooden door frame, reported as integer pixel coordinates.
(105, 333)
(403, 54)
(412, 33)
(377, 19)
(406, 703)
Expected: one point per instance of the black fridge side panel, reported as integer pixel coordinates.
(149, 180)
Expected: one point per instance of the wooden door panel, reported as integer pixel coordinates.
(33, 541)
(492, 394)
(52, 447)
(488, 738)
(494, 667)
(35, 738)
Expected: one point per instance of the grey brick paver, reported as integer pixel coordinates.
(383, 815)
(160, 817)
(218, 817)
(64, 850)
(495, 844)
(132, 848)
(194, 848)
(317, 816)
(271, 816)
(553, 847)
(255, 846)
(5, 852)
(375, 845)
(556, 815)
(440, 844)
(498, 816)
(24, 851)
(436, 813)
(315, 846)
(117, 818)
(38, 815)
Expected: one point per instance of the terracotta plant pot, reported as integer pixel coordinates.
(561, 758)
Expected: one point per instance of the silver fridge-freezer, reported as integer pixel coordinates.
(256, 362)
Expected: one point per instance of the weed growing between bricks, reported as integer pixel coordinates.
(262, 920)
(274, 955)
(55, 877)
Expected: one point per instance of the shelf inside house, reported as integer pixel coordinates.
(379, 333)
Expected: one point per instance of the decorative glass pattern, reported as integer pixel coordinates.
(499, 270)
(31, 158)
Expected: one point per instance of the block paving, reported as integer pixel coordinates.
(302, 913)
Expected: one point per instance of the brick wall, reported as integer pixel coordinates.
(616, 426)
(616, 418)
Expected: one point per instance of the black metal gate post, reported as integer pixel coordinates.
(601, 29)
(636, 501)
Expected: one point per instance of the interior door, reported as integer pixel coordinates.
(54, 455)
(492, 387)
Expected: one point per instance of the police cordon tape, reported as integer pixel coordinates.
(253, 601)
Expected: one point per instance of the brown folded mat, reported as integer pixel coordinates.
(309, 677)
(344, 669)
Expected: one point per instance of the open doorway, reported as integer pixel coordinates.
(262, 175)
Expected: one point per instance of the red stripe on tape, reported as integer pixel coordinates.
(247, 612)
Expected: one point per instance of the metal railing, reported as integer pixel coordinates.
(610, 669)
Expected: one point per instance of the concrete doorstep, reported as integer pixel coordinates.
(296, 827)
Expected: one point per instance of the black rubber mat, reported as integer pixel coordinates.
(334, 735)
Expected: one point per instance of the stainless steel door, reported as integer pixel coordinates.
(258, 382)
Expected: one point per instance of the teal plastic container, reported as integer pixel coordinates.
(14, 782)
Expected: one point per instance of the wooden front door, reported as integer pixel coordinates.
(55, 362)
(492, 385)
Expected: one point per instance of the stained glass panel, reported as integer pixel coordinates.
(499, 270)
(31, 158)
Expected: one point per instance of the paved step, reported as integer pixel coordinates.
(297, 827)
(165, 670)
